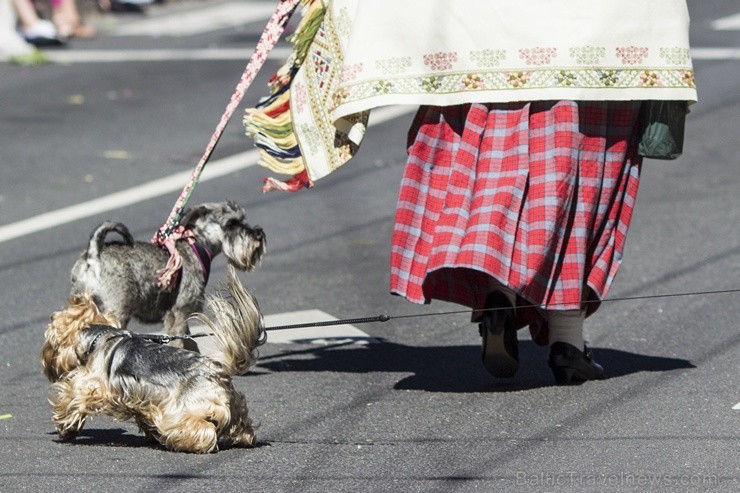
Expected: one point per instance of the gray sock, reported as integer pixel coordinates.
(566, 326)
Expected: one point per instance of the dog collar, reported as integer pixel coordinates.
(104, 330)
(204, 257)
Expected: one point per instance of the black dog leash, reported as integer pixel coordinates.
(164, 338)
(385, 318)
(364, 320)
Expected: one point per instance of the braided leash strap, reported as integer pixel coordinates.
(167, 236)
(166, 338)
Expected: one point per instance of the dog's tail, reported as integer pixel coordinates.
(237, 325)
(98, 237)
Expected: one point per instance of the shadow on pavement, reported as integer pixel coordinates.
(453, 368)
(117, 437)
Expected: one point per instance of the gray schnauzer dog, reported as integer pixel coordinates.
(122, 276)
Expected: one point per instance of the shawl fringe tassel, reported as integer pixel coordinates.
(270, 124)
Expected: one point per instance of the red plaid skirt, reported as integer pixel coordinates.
(537, 196)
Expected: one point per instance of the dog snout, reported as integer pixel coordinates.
(258, 234)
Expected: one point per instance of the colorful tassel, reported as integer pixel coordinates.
(297, 182)
(270, 124)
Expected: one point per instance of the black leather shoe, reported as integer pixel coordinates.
(572, 366)
(500, 351)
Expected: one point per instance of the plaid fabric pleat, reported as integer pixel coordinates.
(536, 196)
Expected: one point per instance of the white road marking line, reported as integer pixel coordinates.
(279, 53)
(715, 53)
(117, 56)
(125, 198)
(156, 188)
(197, 21)
(334, 334)
(736, 407)
(729, 23)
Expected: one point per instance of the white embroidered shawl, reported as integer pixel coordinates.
(372, 53)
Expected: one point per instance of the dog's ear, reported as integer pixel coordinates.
(233, 206)
(58, 354)
(192, 215)
(57, 361)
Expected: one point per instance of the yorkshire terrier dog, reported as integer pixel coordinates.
(122, 276)
(184, 400)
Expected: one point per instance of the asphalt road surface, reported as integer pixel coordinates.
(398, 406)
